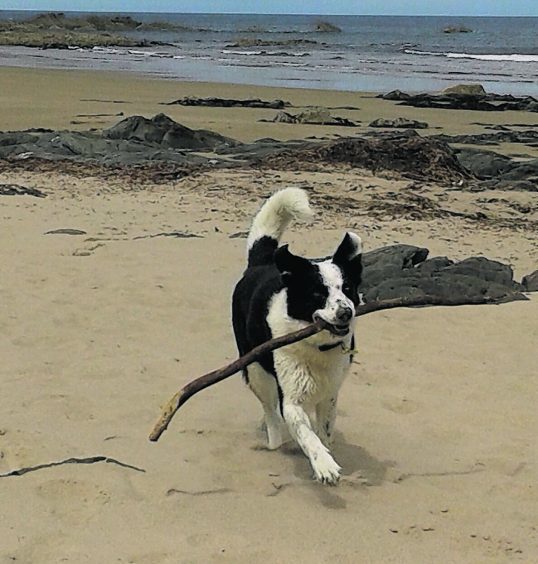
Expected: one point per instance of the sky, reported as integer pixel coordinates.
(381, 7)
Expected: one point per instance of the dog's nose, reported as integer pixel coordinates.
(344, 314)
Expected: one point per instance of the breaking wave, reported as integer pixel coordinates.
(514, 57)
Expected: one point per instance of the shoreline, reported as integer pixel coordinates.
(339, 82)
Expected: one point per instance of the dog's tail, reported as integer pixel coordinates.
(271, 221)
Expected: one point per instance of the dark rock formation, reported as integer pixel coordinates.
(327, 27)
(403, 271)
(313, 116)
(133, 140)
(484, 164)
(137, 140)
(528, 137)
(229, 103)
(54, 21)
(530, 282)
(464, 101)
(166, 132)
(396, 95)
(499, 171)
(17, 190)
(457, 29)
(400, 122)
(55, 30)
(284, 117)
(466, 89)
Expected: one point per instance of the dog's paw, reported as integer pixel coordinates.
(326, 469)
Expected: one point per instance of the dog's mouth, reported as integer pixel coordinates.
(340, 330)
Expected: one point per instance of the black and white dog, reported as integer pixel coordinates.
(279, 293)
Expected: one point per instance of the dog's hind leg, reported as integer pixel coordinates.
(265, 389)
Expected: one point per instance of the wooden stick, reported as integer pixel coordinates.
(180, 397)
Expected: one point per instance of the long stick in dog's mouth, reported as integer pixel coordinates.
(180, 397)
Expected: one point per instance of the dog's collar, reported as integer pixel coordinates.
(330, 346)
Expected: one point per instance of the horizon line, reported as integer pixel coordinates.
(44, 10)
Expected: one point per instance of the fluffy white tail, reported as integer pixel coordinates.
(271, 221)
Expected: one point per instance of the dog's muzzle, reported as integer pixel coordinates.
(340, 325)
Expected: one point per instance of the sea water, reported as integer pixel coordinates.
(370, 53)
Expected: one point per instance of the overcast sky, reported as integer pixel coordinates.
(396, 7)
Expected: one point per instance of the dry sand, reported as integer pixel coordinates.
(437, 420)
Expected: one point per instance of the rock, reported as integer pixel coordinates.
(389, 261)
(65, 39)
(131, 141)
(434, 264)
(485, 269)
(18, 190)
(395, 95)
(460, 99)
(399, 123)
(530, 282)
(528, 137)
(57, 31)
(466, 89)
(327, 27)
(166, 132)
(402, 271)
(500, 172)
(312, 116)
(527, 170)
(284, 117)
(322, 116)
(457, 29)
(484, 164)
(229, 103)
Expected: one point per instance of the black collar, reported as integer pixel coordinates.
(331, 346)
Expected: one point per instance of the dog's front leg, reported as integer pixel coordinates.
(325, 419)
(325, 467)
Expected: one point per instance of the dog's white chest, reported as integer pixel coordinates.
(308, 375)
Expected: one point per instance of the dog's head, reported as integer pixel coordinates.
(324, 289)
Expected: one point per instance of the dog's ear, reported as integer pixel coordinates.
(349, 250)
(287, 262)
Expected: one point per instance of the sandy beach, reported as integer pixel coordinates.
(436, 422)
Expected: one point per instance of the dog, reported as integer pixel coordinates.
(279, 293)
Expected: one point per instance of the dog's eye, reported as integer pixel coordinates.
(317, 295)
(346, 289)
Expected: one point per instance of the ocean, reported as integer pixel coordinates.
(370, 53)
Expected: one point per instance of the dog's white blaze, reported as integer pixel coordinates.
(333, 280)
